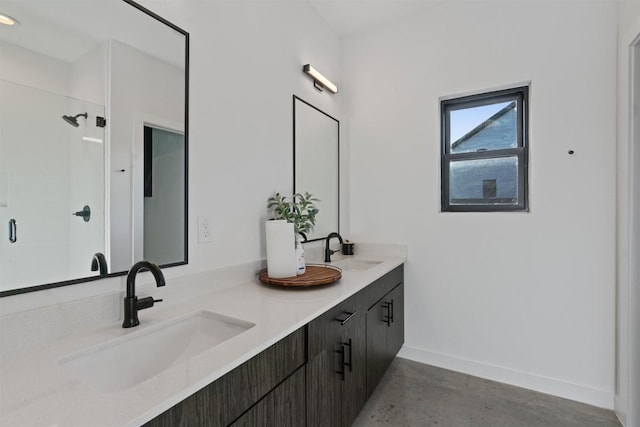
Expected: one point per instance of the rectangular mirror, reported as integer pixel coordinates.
(316, 148)
(93, 142)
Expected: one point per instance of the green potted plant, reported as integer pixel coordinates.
(301, 211)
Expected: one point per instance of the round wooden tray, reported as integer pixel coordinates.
(314, 276)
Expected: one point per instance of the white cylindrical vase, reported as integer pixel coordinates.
(281, 249)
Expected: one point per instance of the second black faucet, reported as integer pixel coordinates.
(327, 250)
(131, 303)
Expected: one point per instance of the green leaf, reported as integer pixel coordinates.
(298, 209)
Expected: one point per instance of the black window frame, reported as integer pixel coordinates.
(518, 94)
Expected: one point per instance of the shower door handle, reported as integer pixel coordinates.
(13, 231)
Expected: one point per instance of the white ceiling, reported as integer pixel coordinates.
(351, 17)
(67, 29)
(76, 26)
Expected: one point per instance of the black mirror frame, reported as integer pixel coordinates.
(294, 156)
(36, 288)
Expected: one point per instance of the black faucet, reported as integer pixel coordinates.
(327, 250)
(99, 263)
(131, 303)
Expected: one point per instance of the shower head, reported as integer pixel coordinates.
(73, 120)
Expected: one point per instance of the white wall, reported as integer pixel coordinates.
(628, 293)
(33, 69)
(524, 298)
(246, 63)
(88, 76)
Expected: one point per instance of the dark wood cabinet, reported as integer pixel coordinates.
(350, 348)
(385, 334)
(324, 390)
(336, 366)
(282, 407)
(382, 286)
(320, 375)
(354, 386)
(395, 338)
(226, 399)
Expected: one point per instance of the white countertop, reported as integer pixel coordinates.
(36, 391)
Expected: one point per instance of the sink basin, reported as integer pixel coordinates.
(355, 264)
(126, 361)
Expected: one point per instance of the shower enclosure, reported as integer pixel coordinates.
(50, 170)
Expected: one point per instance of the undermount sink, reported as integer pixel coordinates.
(355, 264)
(129, 360)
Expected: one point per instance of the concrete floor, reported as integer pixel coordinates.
(413, 394)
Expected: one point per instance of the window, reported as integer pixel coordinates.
(484, 151)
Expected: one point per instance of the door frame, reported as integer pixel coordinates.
(633, 410)
(627, 373)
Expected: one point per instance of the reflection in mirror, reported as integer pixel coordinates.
(49, 170)
(87, 108)
(144, 93)
(163, 188)
(316, 140)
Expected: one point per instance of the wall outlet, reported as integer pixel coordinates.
(205, 232)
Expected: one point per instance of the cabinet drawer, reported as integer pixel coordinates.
(282, 407)
(224, 400)
(246, 384)
(378, 289)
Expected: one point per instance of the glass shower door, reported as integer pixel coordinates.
(49, 170)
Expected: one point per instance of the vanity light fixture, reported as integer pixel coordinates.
(320, 82)
(8, 20)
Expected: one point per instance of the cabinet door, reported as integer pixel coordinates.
(336, 370)
(354, 386)
(323, 363)
(385, 335)
(395, 337)
(324, 389)
(283, 407)
(376, 344)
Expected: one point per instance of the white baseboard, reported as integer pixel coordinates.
(621, 410)
(577, 392)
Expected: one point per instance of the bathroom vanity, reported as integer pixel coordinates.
(302, 354)
(342, 354)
